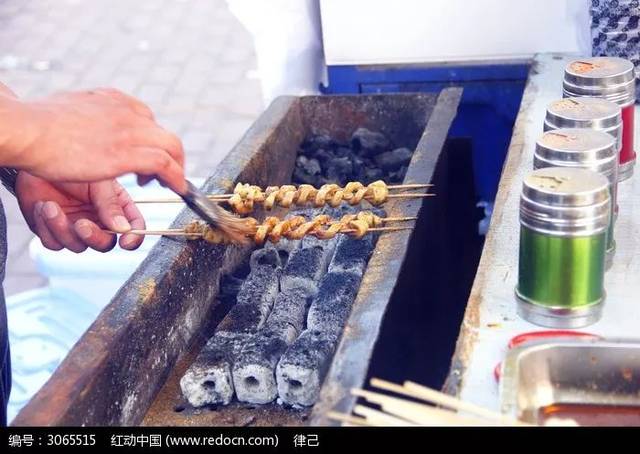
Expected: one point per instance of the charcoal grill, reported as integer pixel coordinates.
(125, 369)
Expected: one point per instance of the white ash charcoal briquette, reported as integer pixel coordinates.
(332, 305)
(352, 254)
(306, 265)
(208, 380)
(265, 256)
(254, 368)
(300, 371)
(260, 288)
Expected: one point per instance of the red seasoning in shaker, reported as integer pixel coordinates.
(611, 78)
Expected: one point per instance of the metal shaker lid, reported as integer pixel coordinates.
(565, 201)
(575, 147)
(612, 78)
(595, 113)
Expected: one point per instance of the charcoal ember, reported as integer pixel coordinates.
(302, 368)
(254, 371)
(339, 170)
(265, 256)
(302, 177)
(352, 255)
(372, 174)
(310, 166)
(358, 166)
(394, 160)
(258, 293)
(397, 176)
(369, 142)
(323, 156)
(307, 264)
(331, 306)
(343, 152)
(317, 142)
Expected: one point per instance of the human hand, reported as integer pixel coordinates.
(90, 136)
(73, 215)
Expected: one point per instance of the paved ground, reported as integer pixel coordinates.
(190, 60)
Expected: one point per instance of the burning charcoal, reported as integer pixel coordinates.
(352, 255)
(254, 370)
(208, 380)
(301, 177)
(394, 160)
(323, 156)
(309, 166)
(332, 304)
(260, 288)
(319, 141)
(358, 168)
(369, 141)
(339, 170)
(307, 264)
(265, 256)
(301, 370)
(372, 174)
(343, 152)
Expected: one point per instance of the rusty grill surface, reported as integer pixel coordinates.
(126, 367)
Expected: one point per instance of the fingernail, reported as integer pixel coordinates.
(127, 240)
(38, 207)
(84, 230)
(50, 210)
(122, 224)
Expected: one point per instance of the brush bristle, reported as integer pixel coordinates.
(235, 228)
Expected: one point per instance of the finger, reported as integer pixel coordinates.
(158, 163)
(144, 180)
(40, 229)
(156, 137)
(60, 227)
(130, 241)
(93, 236)
(104, 197)
(135, 104)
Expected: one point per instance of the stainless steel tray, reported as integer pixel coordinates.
(593, 381)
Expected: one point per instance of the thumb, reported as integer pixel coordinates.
(104, 196)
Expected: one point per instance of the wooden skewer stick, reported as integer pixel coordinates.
(349, 419)
(224, 197)
(409, 196)
(418, 413)
(430, 395)
(181, 232)
(411, 186)
(380, 418)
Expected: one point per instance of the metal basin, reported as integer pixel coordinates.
(594, 382)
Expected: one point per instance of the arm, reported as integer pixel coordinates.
(7, 174)
(67, 150)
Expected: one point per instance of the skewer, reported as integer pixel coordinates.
(380, 418)
(225, 197)
(181, 232)
(420, 392)
(349, 419)
(411, 186)
(418, 413)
